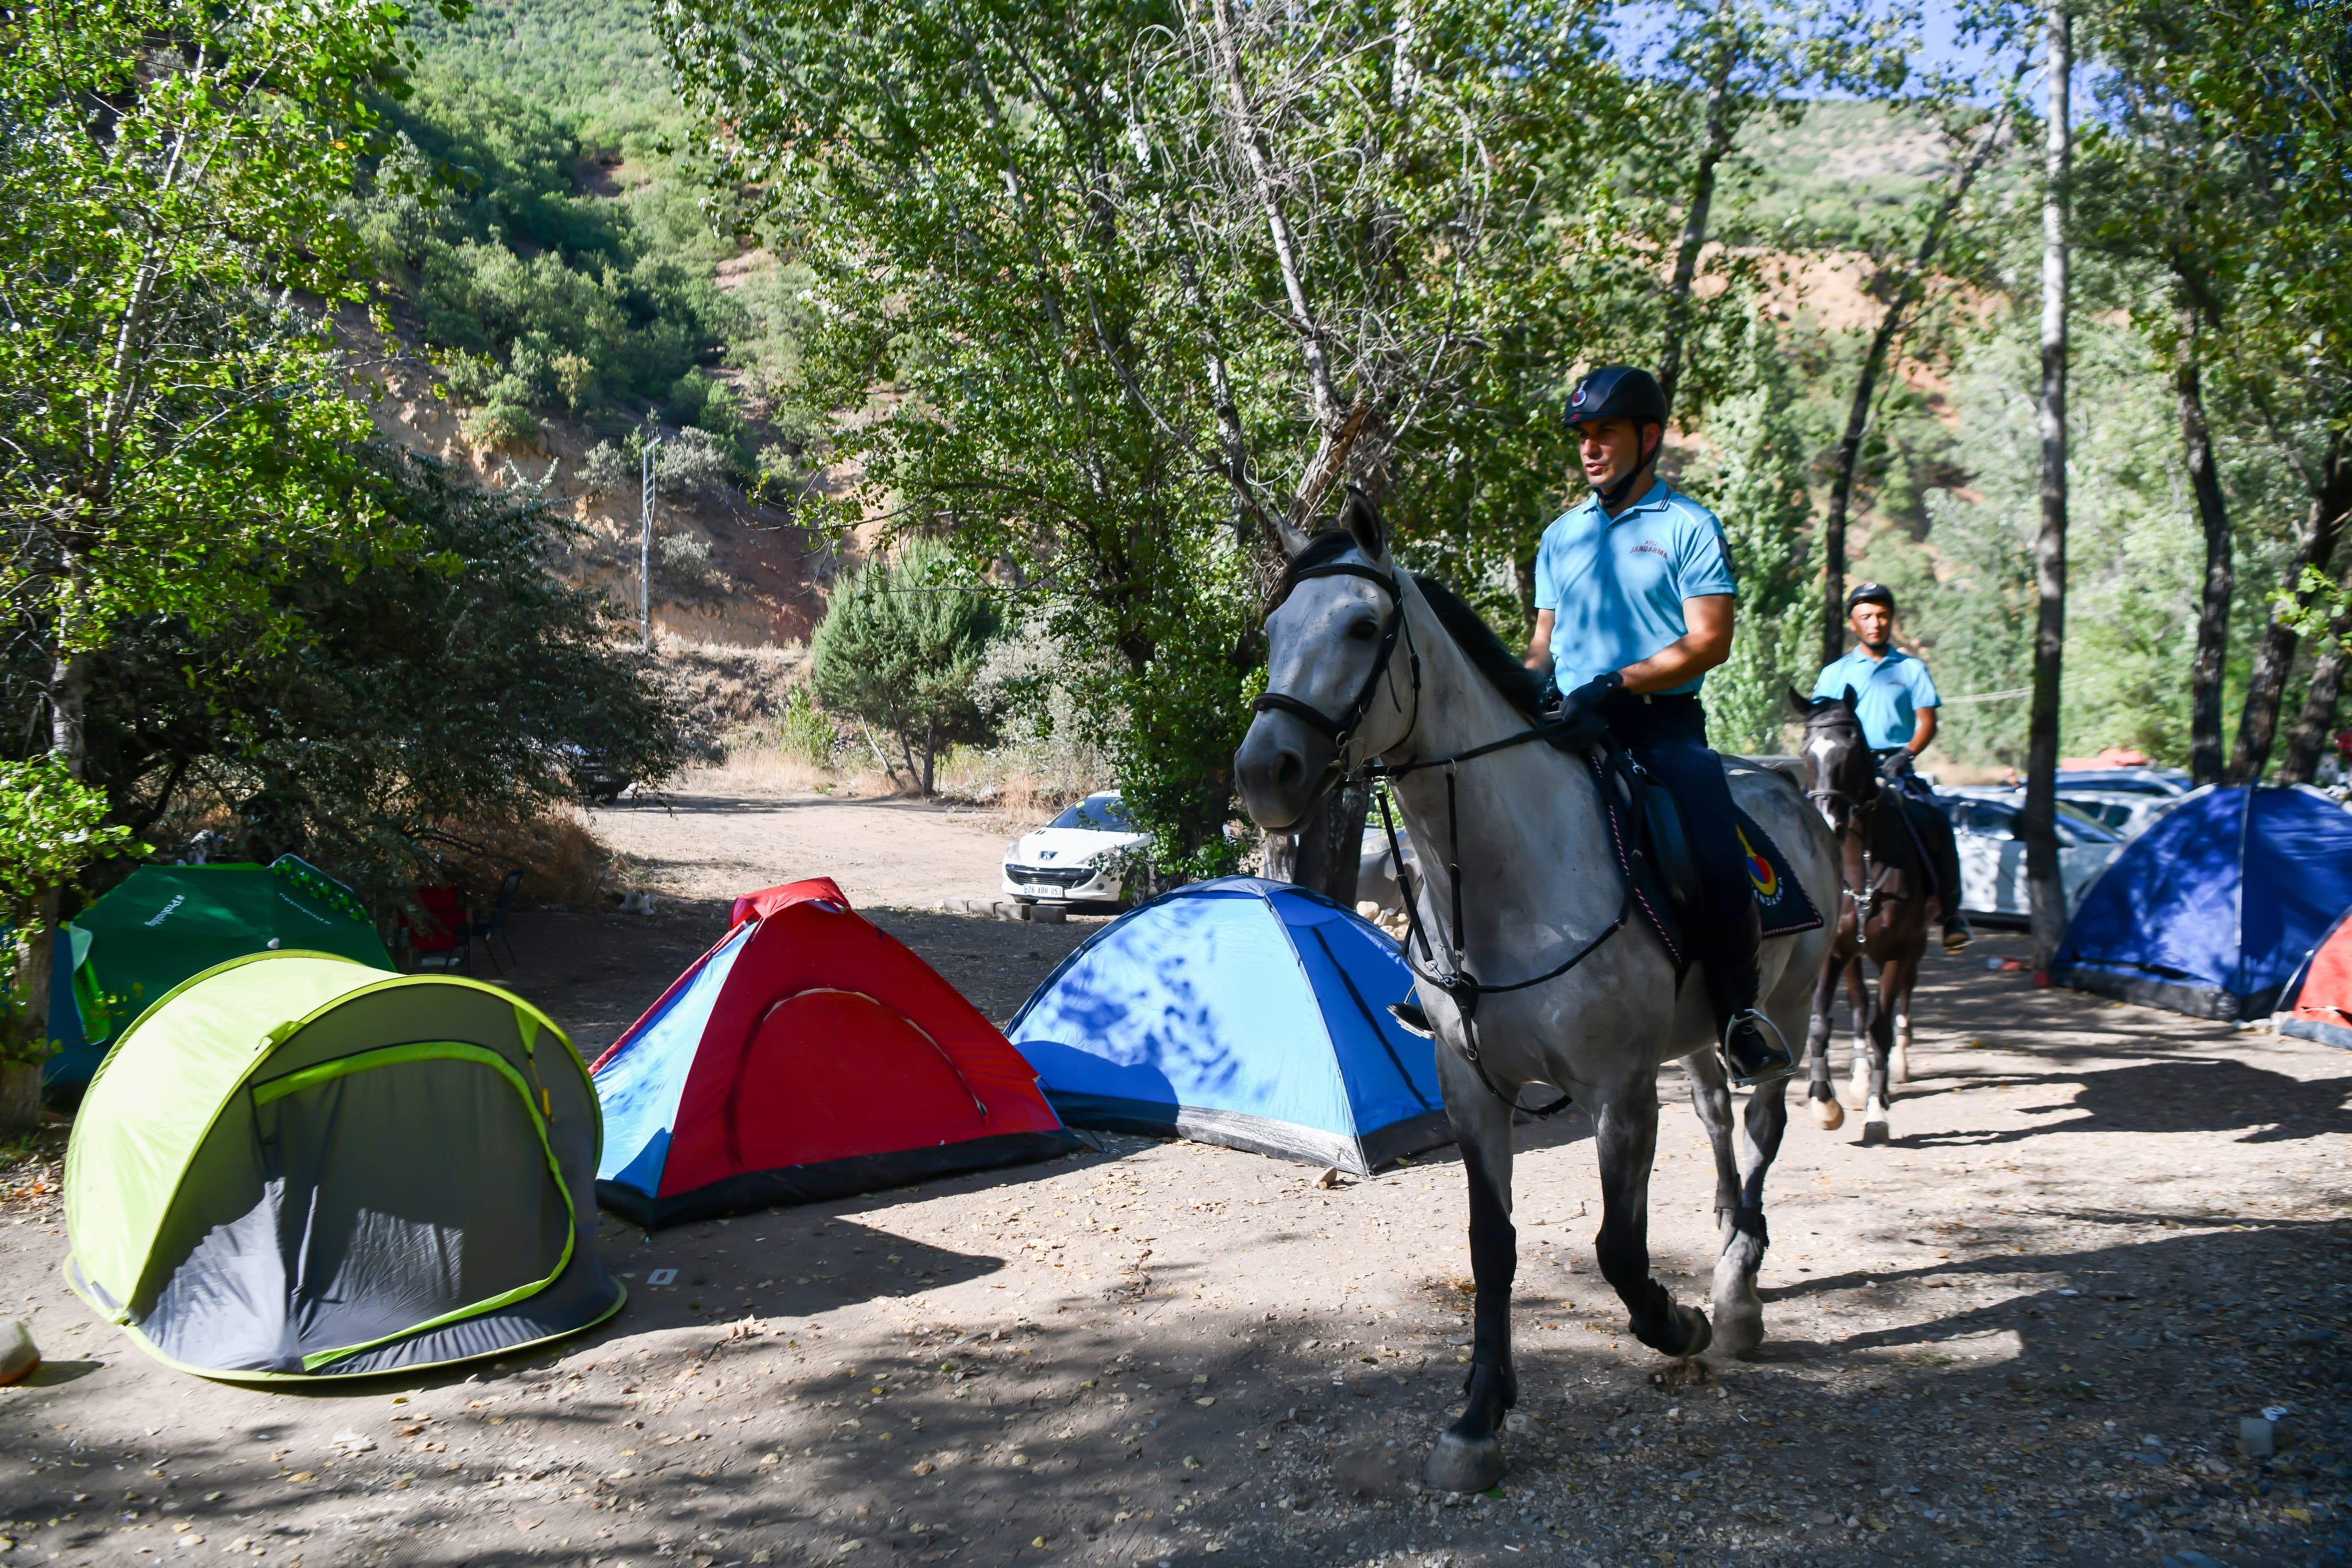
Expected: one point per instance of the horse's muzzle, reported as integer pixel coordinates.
(1283, 768)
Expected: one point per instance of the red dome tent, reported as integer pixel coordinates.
(2323, 1010)
(807, 1056)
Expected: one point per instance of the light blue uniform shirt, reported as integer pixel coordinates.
(1615, 587)
(1889, 693)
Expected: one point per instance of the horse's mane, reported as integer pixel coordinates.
(1521, 685)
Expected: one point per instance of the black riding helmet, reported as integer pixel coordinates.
(1871, 593)
(1618, 392)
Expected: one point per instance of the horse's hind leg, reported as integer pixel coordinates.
(1468, 1456)
(1738, 1313)
(1892, 978)
(1626, 1127)
(1898, 1065)
(1818, 1092)
(1857, 991)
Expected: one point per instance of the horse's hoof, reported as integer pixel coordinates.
(1738, 1327)
(1898, 1065)
(1828, 1112)
(1459, 1465)
(1874, 1129)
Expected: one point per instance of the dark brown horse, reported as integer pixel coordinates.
(1888, 904)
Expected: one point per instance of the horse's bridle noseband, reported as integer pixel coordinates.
(1342, 730)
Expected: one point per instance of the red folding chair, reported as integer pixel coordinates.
(438, 925)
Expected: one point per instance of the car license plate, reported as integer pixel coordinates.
(1043, 889)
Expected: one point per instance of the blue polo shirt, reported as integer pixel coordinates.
(1615, 586)
(1889, 693)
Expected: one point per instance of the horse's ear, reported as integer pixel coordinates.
(1852, 698)
(1801, 704)
(1361, 517)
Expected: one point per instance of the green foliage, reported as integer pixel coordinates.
(900, 647)
(1755, 483)
(454, 678)
(534, 280)
(171, 428)
(803, 732)
(52, 828)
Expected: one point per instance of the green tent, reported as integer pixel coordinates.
(165, 923)
(296, 1166)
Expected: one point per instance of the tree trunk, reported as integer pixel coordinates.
(1849, 455)
(2213, 605)
(2038, 823)
(1865, 387)
(1523, 582)
(1327, 851)
(1702, 197)
(2315, 547)
(2308, 741)
(930, 753)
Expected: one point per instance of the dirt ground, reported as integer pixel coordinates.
(2024, 1332)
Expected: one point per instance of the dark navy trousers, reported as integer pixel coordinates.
(1667, 735)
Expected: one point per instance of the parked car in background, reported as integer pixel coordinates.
(1376, 878)
(2126, 815)
(1079, 857)
(1992, 857)
(2167, 782)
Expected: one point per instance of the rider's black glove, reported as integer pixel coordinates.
(1577, 721)
(1897, 764)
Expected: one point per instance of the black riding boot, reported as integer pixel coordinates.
(1668, 737)
(1935, 831)
(1752, 1048)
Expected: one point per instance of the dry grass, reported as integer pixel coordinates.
(565, 865)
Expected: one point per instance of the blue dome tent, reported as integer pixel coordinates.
(2211, 911)
(1241, 1011)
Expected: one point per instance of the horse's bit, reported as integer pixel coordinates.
(1460, 985)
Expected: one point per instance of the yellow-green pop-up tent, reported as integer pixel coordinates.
(294, 1165)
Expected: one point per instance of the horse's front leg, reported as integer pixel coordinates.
(1822, 1098)
(1626, 1129)
(1468, 1456)
(1898, 1065)
(1739, 1314)
(1857, 991)
(1893, 982)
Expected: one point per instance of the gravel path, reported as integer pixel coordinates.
(2024, 1332)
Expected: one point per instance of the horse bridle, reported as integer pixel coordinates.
(1342, 730)
(1862, 900)
(1460, 986)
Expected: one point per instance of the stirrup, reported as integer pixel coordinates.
(1957, 936)
(1412, 1019)
(1787, 1066)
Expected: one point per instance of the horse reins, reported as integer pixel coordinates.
(1862, 900)
(1462, 987)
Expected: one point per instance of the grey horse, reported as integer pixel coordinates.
(1366, 661)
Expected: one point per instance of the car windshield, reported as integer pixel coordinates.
(2085, 828)
(1100, 812)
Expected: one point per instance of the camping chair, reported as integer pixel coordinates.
(440, 926)
(495, 925)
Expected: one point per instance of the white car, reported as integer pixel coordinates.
(1992, 857)
(1078, 858)
(2125, 815)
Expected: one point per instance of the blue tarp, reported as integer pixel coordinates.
(1241, 1011)
(2211, 911)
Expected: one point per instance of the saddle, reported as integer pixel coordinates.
(1655, 854)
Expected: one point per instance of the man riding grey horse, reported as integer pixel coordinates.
(1895, 700)
(1634, 599)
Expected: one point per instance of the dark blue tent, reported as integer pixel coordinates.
(2211, 911)
(1240, 1012)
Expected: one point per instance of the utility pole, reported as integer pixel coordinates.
(646, 534)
